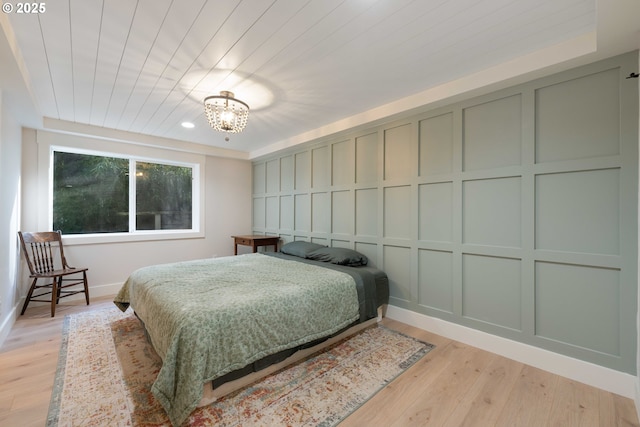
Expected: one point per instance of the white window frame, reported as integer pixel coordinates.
(195, 162)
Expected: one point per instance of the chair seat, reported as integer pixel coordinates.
(60, 272)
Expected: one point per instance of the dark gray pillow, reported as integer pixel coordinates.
(299, 248)
(341, 256)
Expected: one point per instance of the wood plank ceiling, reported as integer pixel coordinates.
(145, 66)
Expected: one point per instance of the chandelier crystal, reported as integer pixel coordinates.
(225, 113)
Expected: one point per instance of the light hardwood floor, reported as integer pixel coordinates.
(454, 385)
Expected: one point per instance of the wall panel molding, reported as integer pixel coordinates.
(513, 213)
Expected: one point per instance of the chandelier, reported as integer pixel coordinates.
(225, 113)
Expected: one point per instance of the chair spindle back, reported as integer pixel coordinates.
(44, 251)
(42, 256)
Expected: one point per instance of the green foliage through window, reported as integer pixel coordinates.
(163, 197)
(91, 195)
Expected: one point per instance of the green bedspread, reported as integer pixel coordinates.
(209, 317)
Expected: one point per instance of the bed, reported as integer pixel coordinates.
(215, 322)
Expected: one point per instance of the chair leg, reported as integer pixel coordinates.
(86, 286)
(26, 301)
(59, 289)
(54, 295)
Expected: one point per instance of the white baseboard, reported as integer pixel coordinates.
(637, 398)
(94, 292)
(102, 290)
(7, 324)
(594, 375)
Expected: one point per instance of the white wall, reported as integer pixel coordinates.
(227, 211)
(9, 215)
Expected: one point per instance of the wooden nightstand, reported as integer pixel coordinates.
(254, 242)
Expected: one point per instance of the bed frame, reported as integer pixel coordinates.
(212, 393)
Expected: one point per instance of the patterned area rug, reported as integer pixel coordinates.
(106, 368)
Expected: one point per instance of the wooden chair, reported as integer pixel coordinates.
(45, 256)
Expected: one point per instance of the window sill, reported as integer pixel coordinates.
(139, 236)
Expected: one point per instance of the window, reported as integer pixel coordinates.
(163, 197)
(97, 193)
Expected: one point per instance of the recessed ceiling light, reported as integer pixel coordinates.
(188, 125)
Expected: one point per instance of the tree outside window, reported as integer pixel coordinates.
(91, 194)
(163, 197)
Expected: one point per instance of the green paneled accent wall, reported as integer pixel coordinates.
(514, 213)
